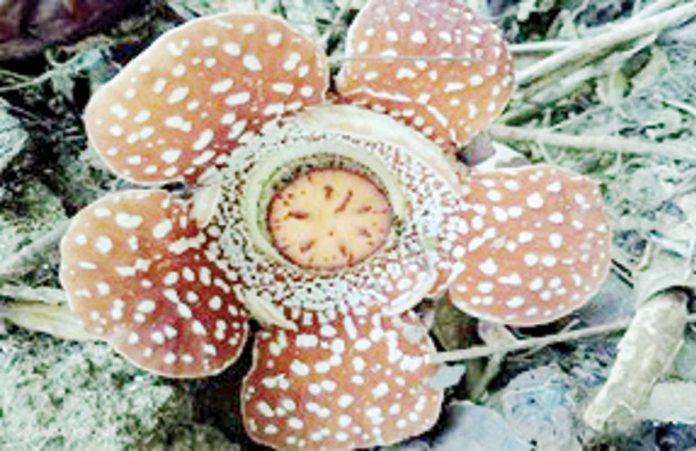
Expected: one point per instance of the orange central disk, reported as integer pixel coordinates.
(329, 219)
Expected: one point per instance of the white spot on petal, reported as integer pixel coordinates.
(535, 201)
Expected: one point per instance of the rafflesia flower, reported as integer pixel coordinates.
(326, 223)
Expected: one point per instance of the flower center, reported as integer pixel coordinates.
(329, 218)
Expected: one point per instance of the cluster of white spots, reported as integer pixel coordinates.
(174, 95)
(538, 246)
(172, 313)
(360, 382)
(466, 67)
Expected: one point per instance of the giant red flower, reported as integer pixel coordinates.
(327, 223)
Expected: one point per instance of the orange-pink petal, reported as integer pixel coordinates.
(535, 245)
(184, 103)
(435, 64)
(136, 273)
(358, 382)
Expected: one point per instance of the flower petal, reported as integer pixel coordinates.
(358, 382)
(535, 243)
(436, 65)
(185, 102)
(136, 273)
